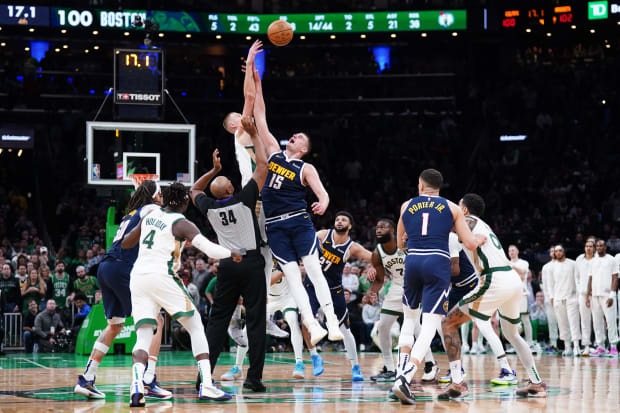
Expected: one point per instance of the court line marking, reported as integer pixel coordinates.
(34, 362)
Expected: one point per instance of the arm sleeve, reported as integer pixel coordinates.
(211, 249)
(249, 194)
(203, 203)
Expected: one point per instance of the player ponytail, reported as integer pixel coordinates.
(175, 196)
(143, 195)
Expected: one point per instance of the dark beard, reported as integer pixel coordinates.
(384, 238)
(341, 230)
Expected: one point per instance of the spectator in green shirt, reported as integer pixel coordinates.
(61, 285)
(85, 283)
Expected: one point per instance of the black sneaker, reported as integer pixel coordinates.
(402, 391)
(198, 381)
(384, 376)
(256, 386)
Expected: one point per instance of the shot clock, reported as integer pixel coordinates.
(138, 76)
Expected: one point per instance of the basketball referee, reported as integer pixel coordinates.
(234, 220)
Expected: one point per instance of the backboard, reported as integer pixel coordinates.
(115, 150)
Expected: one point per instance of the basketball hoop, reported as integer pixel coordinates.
(139, 178)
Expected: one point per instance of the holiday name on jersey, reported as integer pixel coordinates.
(156, 223)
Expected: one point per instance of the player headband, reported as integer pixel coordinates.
(157, 189)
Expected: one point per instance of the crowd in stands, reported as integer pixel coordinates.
(555, 187)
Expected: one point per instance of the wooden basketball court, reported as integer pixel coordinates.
(44, 382)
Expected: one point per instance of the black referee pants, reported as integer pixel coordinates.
(245, 279)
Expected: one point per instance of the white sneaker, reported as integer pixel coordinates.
(333, 326)
(316, 331)
(476, 349)
(510, 349)
(576, 351)
(586, 351)
(212, 393)
(567, 353)
(275, 331)
(431, 372)
(465, 348)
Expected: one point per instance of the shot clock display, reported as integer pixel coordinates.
(24, 15)
(138, 76)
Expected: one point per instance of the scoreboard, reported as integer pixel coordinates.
(180, 21)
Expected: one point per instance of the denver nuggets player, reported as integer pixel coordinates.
(113, 275)
(289, 228)
(425, 224)
(337, 248)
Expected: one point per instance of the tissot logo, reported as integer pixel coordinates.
(139, 97)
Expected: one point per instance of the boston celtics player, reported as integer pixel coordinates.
(155, 284)
(388, 260)
(499, 289)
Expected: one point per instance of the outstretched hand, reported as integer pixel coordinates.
(248, 125)
(217, 163)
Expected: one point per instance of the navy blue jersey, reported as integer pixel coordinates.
(467, 274)
(333, 259)
(428, 221)
(129, 222)
(283, 191)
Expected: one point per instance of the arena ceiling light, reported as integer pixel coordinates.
(219, 36)
(248, 37)
(161, 35)
(454, 34)
(423, 34)
(333, 36)
(592, 31)
(126, 34)
(528, 30)
(3, 44)
(573, 27)
(95, 32)
(187, 36)
(393, 35)
(362, 36)
(548, 34)
(302, 37)
(63, 31)
(512, 138)
(65, 46)
(96, 47)
(31, 30)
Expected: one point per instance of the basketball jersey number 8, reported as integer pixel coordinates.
(425, 216)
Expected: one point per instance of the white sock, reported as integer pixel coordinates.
(321, 288)
(297, 340)
(511, 333)
(91, 369)
(297, 290)
(480, 340)
(456, 374)
(385, 339)
(503, 363)
(241, 352)
(485, 329)
(313, 351)
(204, 368)
(349, 345)
(465, 334)
(137, 375)
(527, 329)
(149, 373)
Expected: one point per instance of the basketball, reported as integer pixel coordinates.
(280, 33)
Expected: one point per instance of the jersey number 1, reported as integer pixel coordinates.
(425, 216)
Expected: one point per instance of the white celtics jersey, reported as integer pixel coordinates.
(279, 289)
(160, 250)
(245, 159)
(490, 256)
(393, 264)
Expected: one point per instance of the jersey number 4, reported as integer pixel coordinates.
(148, 240)
(228, 218)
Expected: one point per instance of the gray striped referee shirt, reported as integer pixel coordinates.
(233, 218)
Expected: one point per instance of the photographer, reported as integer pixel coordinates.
(46, 325)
